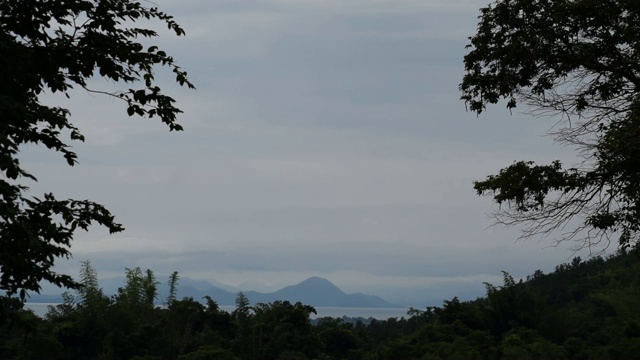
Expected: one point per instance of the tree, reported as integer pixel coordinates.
(90, 293)
(140, 290)
(56, 46)
(243, 344)
(242, 309)
(173, 287)
(281, 328)
(577, 60)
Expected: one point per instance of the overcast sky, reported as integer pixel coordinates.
(325, 138)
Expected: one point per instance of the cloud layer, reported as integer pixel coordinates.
(326, 138)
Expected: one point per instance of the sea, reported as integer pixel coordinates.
(40, 309)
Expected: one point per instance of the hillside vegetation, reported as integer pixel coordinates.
(582, 310)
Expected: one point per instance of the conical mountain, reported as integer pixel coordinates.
(316, 291)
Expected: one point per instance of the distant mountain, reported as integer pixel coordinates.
(111, 285)
(317, 291)
(314, 291)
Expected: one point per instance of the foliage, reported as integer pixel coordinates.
(283, 329)
(174, 278)
(208, 352)
(54, 47)
(140, 289)
(577, 60)
(243, 309)
(582, 310)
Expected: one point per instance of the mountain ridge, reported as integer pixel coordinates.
(314, 291)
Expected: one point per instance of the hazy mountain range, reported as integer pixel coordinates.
(314, 291)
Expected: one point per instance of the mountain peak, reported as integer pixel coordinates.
(317, 291)
(314, 291)
(317, 282)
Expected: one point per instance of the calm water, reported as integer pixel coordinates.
(381, 314)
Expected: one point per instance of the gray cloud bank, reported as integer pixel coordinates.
(326, 138)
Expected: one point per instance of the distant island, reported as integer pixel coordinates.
(314, 291)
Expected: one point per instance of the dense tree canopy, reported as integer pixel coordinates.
(576, 60)
(582, 310)
(55, 46)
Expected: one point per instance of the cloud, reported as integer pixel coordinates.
(326, 138)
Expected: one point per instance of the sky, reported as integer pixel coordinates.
(325, 138)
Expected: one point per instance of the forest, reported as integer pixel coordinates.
(582, 310)
(572, 60)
